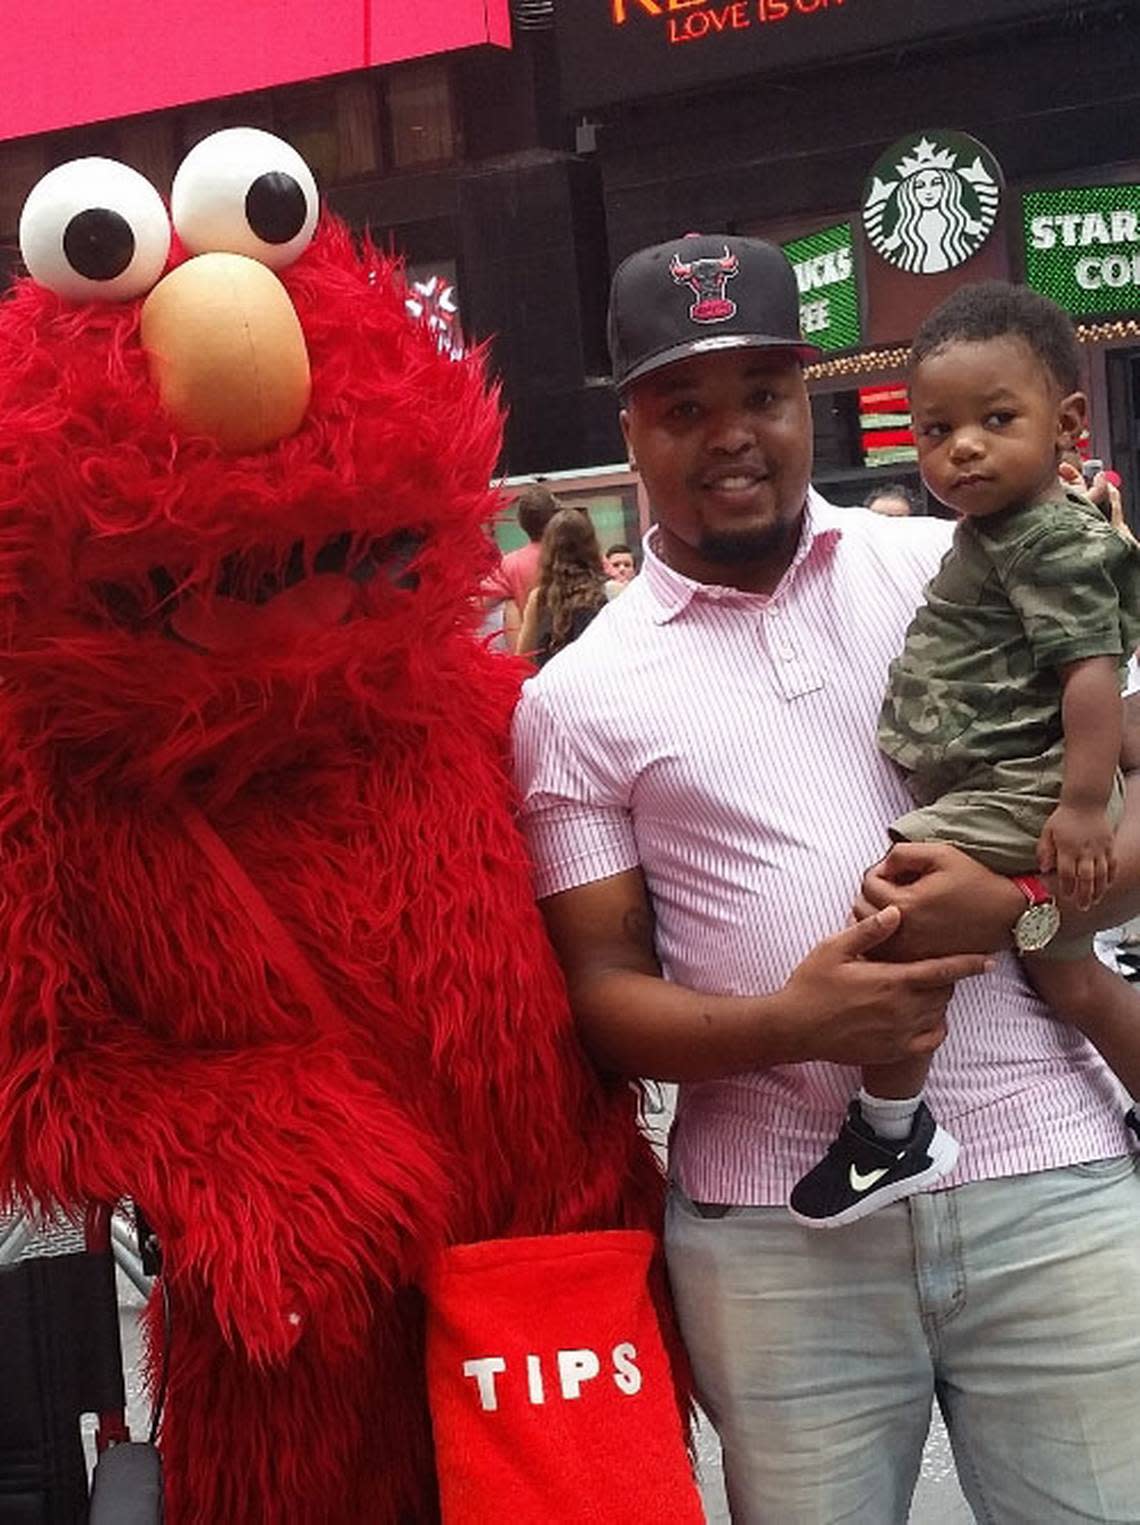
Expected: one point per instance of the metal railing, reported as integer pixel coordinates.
(25, 1237)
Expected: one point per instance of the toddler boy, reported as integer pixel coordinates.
(1004, 707)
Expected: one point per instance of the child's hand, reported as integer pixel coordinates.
(1078, 843)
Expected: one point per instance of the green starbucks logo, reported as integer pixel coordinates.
(932, 201)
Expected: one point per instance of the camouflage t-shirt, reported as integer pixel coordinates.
(1018, 595)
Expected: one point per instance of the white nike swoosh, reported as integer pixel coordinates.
(861, 1182)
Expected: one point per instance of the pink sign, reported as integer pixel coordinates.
(70, 62)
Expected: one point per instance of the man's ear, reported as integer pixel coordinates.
(1072, 419)
(623, 418)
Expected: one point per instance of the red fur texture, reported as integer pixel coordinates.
(299, 1170)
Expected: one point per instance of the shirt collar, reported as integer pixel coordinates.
(673, 592)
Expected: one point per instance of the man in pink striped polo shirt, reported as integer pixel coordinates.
(703, 793)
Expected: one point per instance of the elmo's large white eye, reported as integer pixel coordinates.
(93, 230)
(243, 191)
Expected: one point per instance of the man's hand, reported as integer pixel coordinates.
(949, 903)
(837, 1005)
(864, 1012)
(1077, 843)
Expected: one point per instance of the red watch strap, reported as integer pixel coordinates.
(1035, 890)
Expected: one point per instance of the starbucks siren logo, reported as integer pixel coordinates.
(932, 201)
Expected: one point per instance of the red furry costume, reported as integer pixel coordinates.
(300, 1158)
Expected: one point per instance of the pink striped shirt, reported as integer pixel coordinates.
(725, 742)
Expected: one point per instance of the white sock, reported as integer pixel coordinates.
(888, 1118)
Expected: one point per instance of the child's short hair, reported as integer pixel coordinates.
(996, 309)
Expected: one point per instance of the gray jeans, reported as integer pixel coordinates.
(1016, 1302)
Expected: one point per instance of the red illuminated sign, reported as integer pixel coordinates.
(68, 63)
(884, 417)
(693, 20)
(614, 50)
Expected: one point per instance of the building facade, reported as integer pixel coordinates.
(515, 166)
(793, 149)
(458, 158)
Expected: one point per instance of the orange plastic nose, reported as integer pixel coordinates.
(227, 352)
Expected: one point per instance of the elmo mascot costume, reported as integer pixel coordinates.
(269, 963)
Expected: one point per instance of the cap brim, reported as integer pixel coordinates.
(712, 344)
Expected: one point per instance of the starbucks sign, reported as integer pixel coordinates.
(824, 263)
(1082, 247)
(932, 201)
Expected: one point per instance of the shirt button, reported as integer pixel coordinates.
(785, 653)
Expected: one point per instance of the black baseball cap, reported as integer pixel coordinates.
(699, 294)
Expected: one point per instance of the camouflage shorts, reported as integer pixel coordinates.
(1000, 824)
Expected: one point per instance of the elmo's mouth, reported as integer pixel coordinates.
(277, 607)
(254, 578)
(278, 592)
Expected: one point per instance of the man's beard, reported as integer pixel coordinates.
(733, 548)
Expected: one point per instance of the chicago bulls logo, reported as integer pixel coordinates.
(706, 279)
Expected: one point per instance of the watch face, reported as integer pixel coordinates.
(1036, 927)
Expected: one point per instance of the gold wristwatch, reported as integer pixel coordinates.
(1040, 922)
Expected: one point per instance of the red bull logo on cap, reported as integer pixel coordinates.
(707, 279)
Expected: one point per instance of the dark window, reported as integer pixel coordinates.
(198, 122)
(307, 119)
(837, 442)
(1124, 412)
(421, 114)
(21, 165)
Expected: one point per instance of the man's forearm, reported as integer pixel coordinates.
(640, 1024)
(836, 1006)
(950, 902)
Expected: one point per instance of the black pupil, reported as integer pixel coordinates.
(275, 207)
(99, 243)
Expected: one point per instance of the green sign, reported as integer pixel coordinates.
(1082, 247)
(824, 263)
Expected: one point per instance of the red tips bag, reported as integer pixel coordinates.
(551, 1394)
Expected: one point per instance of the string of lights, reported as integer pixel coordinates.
(863, 363)
(875, 361)
(1101, 333)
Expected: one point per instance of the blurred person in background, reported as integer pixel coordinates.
(571, 587)
(892, 499)
(619, 560)
(621, 568)
(510, 585)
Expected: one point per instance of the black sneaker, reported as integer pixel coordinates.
(862, 1172)
(1128, 963)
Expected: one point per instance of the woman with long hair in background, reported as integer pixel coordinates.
(571, 586)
